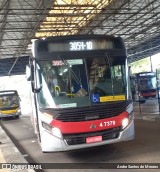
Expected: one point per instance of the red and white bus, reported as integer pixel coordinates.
(81, 94)
(147, 84)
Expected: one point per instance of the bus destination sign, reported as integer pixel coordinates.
(85, 45)
(76, 46)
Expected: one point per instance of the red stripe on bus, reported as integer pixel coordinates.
(89, 126)
(149, 94)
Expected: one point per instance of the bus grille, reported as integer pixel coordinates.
(92, 113)
(76, 139)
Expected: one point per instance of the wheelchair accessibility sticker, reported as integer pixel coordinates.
(95, 98)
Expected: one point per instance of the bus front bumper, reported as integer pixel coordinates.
(55, 144)
(10, 115)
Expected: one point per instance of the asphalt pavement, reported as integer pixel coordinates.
(10, 157)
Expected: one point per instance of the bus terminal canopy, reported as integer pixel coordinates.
(22, 21)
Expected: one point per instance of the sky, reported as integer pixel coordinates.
(156, 61)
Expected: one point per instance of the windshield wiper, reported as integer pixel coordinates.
(110, 65)
(71, 71)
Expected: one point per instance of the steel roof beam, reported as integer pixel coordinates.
(141, 31)
(45, 4)
(4, 19)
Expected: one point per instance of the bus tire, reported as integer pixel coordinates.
(44, 152)
(145, 97)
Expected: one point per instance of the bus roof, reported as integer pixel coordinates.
(145, 74)
(78, 37)
(71, 46)
(8, 92)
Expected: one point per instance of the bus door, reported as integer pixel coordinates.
(158, 81)
(158, 86)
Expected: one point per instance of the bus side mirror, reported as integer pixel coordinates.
(28, 72)
(38, 85)
(29, 76)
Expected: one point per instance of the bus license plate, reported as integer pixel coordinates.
(94, 139)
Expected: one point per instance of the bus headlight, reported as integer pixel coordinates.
(19, 111)
(57, 132)
(125, 122)
(47, 126)
(53, 130)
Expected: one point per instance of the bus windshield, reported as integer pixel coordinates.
(146, 83)
(8, 101)
(81, 82)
